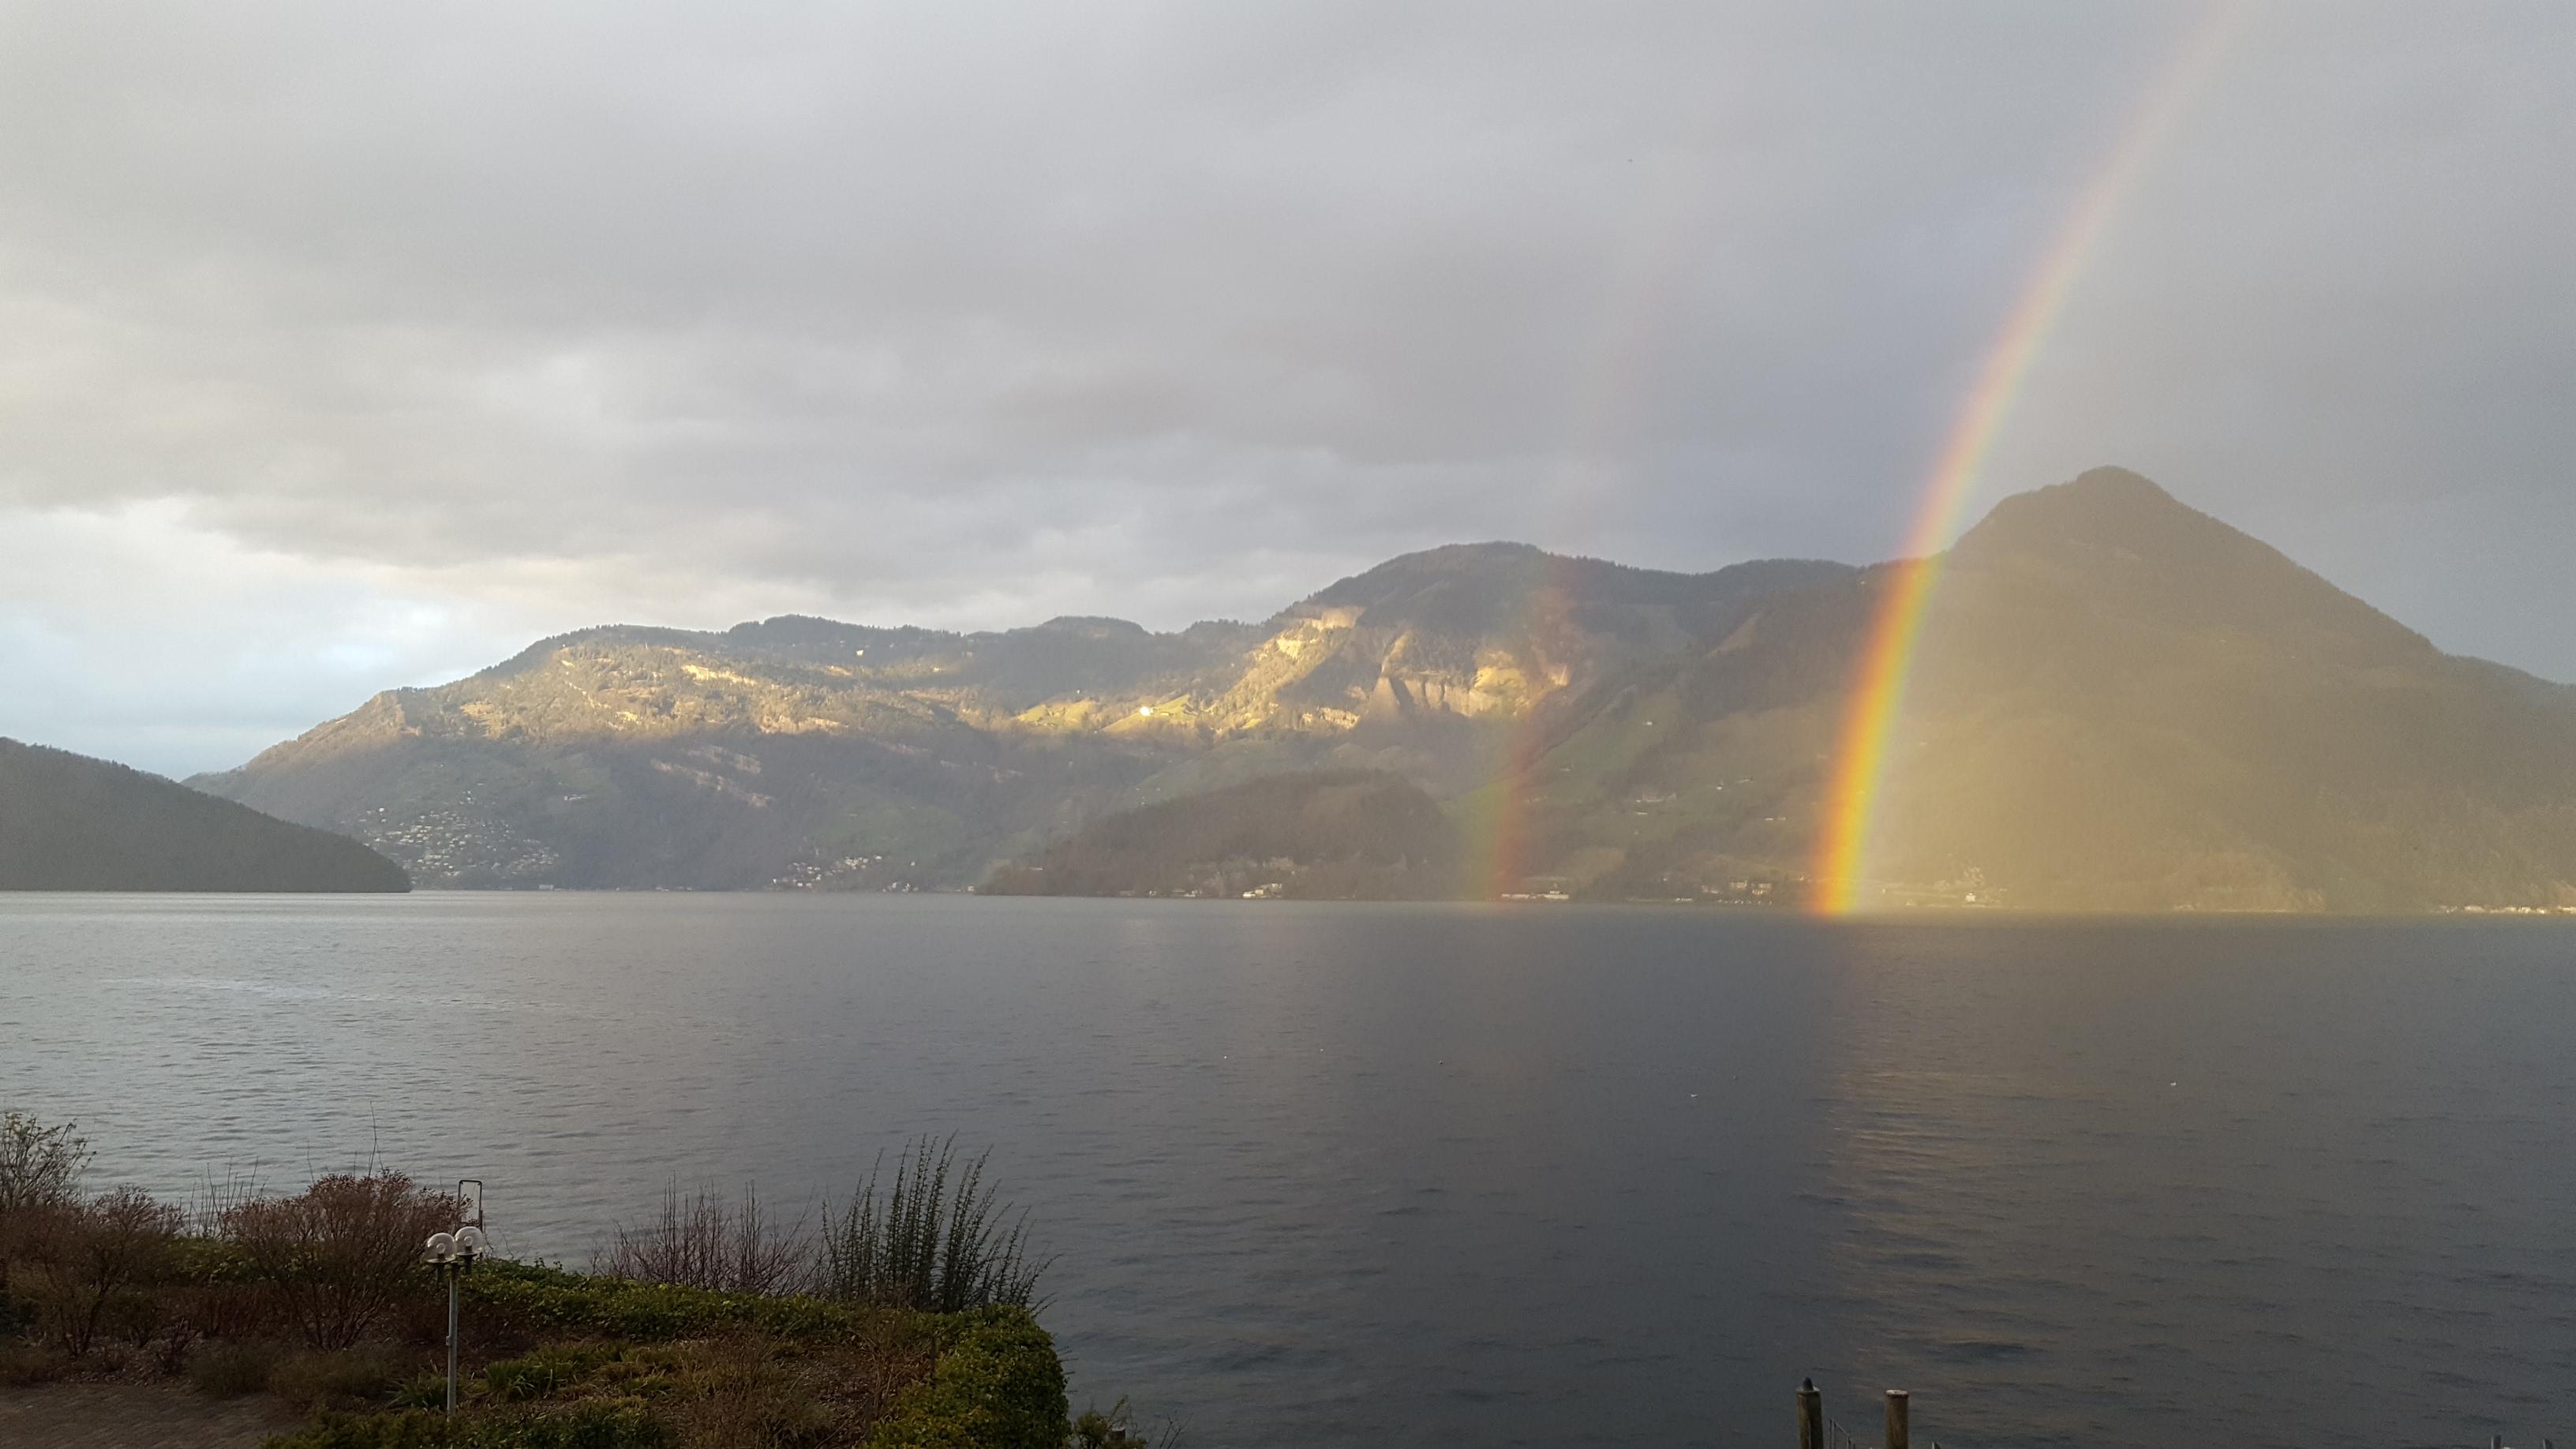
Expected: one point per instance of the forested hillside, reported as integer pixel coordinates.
(71, 823)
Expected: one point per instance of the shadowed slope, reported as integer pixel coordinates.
(1334, 834)
(71, 823)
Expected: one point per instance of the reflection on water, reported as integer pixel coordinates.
(1411, 1175)
(2136, 1182)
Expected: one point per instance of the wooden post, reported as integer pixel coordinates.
(1811, 1416)
(1899, 1429)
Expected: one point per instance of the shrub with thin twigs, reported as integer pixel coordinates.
(937, 1240)
(83, 1279)
(340, 1255)
(39, 1165)
(702, 1241)
(40, 1180)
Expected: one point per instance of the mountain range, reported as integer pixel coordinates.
(2118, 703)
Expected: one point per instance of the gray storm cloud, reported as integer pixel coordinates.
(479, 322)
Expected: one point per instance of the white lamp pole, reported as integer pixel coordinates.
(452, 1254)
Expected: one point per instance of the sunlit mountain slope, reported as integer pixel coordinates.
(2119, 703)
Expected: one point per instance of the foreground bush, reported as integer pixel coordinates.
(936, 1241)
(339, 1256)
(40, 1180)
(82, 1273)
(702, 1241)
(39, 1165)
(998, 1385)
(537, 1299)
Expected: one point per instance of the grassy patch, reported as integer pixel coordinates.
(349, 1378)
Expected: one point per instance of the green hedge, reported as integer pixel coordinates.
(553, 1299)
(999, 1385)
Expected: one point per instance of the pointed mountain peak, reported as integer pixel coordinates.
(2125, 536)
(2107, 509)
(2098, 501)
(2115, 483)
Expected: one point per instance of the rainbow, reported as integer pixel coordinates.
(1877, 698)
(1504, 829)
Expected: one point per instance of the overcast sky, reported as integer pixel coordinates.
(344, 347)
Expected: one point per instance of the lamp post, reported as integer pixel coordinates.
(452, 1254)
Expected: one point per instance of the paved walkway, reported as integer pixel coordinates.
(134, 1416)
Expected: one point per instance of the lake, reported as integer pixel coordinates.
(1424, 1175)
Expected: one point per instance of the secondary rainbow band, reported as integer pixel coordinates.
(1896, 618)
(1655, 263)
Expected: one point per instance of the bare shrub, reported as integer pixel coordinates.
(218, 1296)
(223, 1300)
(937, 1240)
(39, 1164)
(40, 1181)
(95, 1257)
(340, 1256)
(216, 1196)
(703, 1241)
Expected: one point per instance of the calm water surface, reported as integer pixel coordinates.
(1424, 1175)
